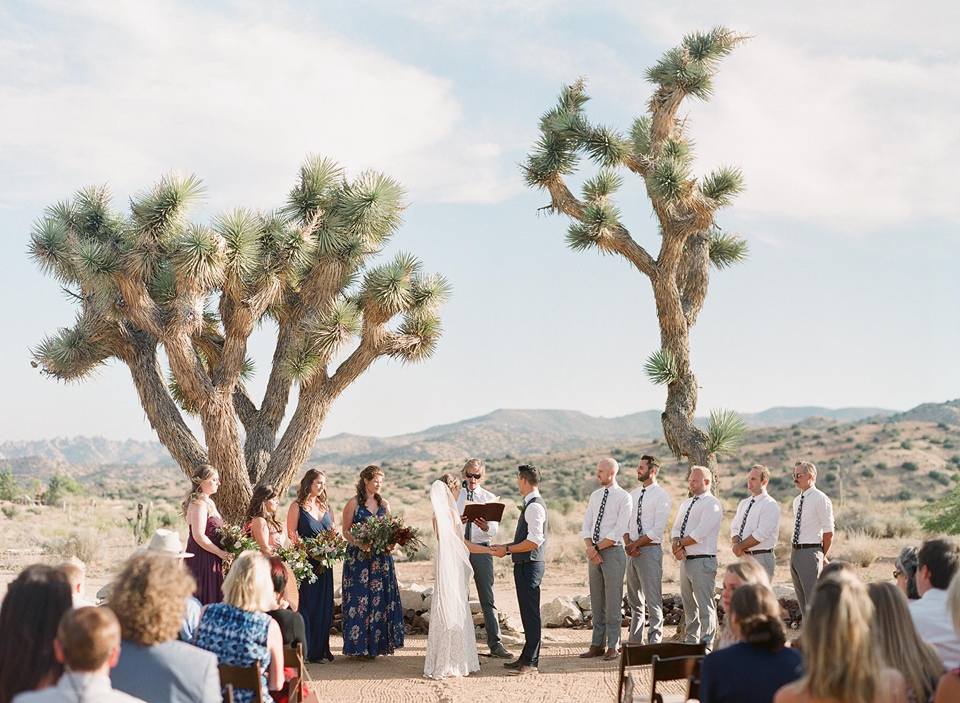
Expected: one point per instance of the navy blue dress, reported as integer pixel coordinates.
(746, 673)
(372, 613)
(316, 599)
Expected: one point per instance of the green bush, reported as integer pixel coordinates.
(939, 477)
(906, 444)
(58, 487)
(909, 466)
(868, 473)
(9, 490)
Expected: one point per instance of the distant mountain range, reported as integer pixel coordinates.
(498, 433)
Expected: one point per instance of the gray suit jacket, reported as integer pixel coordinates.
(169, 672)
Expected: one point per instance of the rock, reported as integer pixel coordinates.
(560, 612)
(784, 591)
(428, 591)
(427, 602)
(475, 607)
(509, 623)
(583, 602)
(511, 640)
(412, 598)
(478, 619)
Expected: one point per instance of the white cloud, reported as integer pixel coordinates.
(125, 92)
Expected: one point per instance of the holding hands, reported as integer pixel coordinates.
(498, 550)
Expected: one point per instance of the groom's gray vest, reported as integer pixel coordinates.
(521, 534)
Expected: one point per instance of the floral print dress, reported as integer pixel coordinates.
(372, 614)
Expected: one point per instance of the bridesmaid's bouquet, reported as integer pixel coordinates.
(382, 533)
(405, 537)
(236, 540)
(295, 556)
(326, 549)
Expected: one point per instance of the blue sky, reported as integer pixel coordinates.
(843, 120)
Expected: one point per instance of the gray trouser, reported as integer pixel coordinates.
(805, 565)
(767, 561)
(606, 596)
(697, 587)
(645, 591)
(483, 576)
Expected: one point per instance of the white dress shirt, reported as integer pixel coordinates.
(481, 495)
(536, 517)
(75, 686)
(616, 514)
(703, 524)
(931, 616)
(763, 521)
(817, 516)
(656, 511)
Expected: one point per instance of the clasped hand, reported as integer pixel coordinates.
(498, 550)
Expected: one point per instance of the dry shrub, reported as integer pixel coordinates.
(876, 524)
(858, 548)
(85, 545)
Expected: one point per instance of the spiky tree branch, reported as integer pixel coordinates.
(658, 150)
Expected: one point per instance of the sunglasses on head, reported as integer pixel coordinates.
(897, 573)
(475, 476)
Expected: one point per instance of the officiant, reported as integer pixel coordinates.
(480, 531)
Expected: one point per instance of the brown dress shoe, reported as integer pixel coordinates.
(592, 653)
(525, 669)
(611, 654)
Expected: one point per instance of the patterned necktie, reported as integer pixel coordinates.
(469, 524)
(796, 524)
(686, 516)
(743, 523)
(640, 513)
(603, 505)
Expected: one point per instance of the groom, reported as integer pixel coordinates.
(527, 551)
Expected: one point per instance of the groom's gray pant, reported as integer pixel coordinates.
(606, 596)
(483, 577)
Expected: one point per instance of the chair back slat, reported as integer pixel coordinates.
(247, 677)
(293, 659)
(642, 655)
(672, 669)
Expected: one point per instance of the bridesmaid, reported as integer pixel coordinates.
(372, 614)
(261, 523)
(203, 520)
(308, 516)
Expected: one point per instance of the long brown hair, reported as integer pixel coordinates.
(366, 475)
(758, 616)
(203, 473)
(303, 491)
(261, 494)
(895, 636)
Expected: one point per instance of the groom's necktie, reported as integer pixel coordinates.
(469, 524)
(603, 506)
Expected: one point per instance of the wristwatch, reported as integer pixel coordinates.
(507, 548)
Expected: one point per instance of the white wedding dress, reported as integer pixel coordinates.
(451, 643)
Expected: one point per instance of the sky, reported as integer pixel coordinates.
(843, 118)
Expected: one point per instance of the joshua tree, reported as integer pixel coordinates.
(152, 279)
(658, 150)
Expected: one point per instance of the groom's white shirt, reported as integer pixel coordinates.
(536, 517)
(481, 495)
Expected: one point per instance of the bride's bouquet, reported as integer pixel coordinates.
(382, 533)
(326, 549)
(295, 556)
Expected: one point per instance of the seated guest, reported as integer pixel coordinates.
(239, 631)
(841, 661)
(29, 616)
(948, 691)
(899, 645)
(167, 543)
(905, 572)
(759, 663)
(76, 572)
(937, 562)
(291, 622)
(745, 571)
(149, 597)
(88, 645)
(835, 567)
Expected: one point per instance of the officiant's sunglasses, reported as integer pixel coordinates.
(476, 476)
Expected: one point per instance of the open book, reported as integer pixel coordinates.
(491, 512)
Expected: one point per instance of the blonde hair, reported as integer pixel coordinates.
(707, 473)
(764, 472)
(452, 481)
(195, 495)
(899, 644)
(149, 597)
(750, 573)
(808, 467)
(474, 464)
(839, 621)
(88, 636)
(249, 585)
(75, 571)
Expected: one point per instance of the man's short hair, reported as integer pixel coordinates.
(88, 636)
(74, 569)
(764, 472)
(707, 473)
(476, 464)
(941, 557)
(808, 467)
(651, 461)
(530, 473)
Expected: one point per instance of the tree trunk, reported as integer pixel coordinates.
(224, 448)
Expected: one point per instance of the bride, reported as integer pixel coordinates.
(451, 643)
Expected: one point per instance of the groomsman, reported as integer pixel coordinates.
(606, 521)
(642, 543)
(695, 532)
(482, 532)
(756, 525)
(812, 532)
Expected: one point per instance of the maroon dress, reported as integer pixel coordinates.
(207, 568)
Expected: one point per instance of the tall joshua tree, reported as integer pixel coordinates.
(151, 279)
(658, 150)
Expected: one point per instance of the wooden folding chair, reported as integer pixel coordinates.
(693, 687)
(247, 677)
(632, 655)
(672, 669)
(293, 659)
(228, 694)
